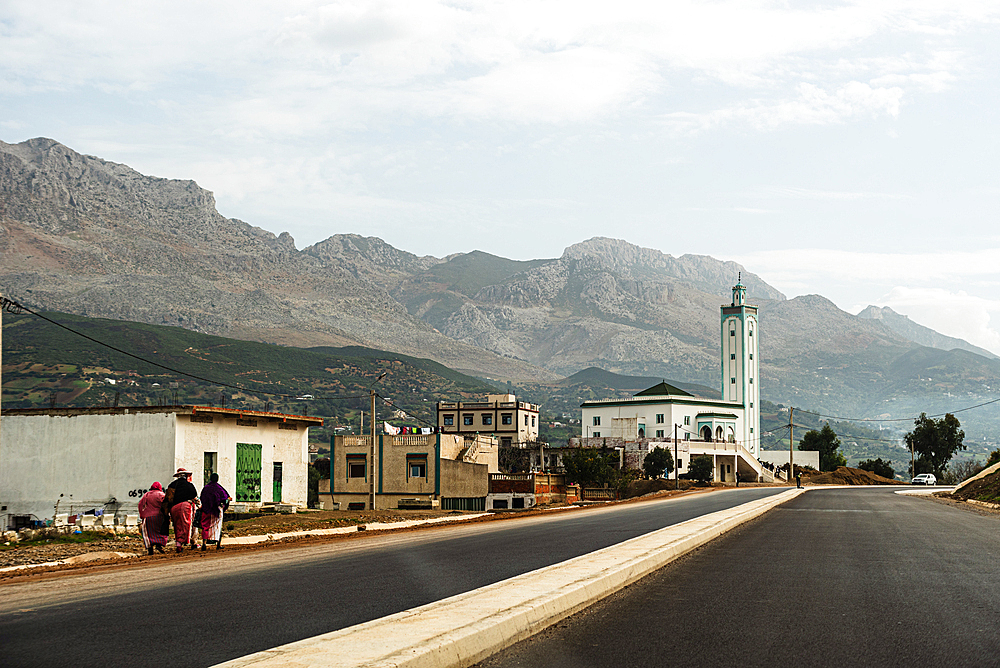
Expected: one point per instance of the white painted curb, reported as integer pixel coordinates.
(371, 526)
(464, 629)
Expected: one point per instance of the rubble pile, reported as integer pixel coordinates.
(845, 475)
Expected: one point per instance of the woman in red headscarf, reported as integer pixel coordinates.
(153, 524)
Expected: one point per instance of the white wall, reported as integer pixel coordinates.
(290, 447)
(97, 456)
(645, 413)
(780, 457)
(91, 457)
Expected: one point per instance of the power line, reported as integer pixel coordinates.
(909, 419)
(12, 306)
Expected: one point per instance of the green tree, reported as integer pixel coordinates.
(588, 466)
(935, 442)
(658, 462)
(701, 468)
(878, 467)
(992, 459)
(826, 442)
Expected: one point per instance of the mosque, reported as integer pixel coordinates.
(728, 429)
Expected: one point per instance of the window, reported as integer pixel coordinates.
(211, 465)
(659, 433)
(751, 430)
(732, 381)
(751, 381)
(417, 468)
(596, 434)
(659, 418)
(680, 463)
(732, 332)
(506, 418)
(356, 468)
(687, 420)
(751, 332)
(597, 420)
(751, 355)
(687, 437)
(467, 420)
(532, 420)
(751, 404)
(449, 420)
(525, 420)
(487, 419)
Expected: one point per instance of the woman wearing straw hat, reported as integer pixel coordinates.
(182, 503)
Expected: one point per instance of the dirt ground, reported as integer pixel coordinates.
(845, 475)
(984, 489)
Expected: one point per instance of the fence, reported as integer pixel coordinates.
(597, 494)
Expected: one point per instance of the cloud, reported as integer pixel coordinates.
(947, 291)
(818, 265)
(525, 62)
(954, 313)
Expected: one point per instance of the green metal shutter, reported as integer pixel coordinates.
(248, 467)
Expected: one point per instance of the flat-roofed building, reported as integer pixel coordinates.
(513, 422)
(106, 458)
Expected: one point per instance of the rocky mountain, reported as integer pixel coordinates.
(82, 235)
(925, 336)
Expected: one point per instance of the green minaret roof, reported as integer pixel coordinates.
(663, 389)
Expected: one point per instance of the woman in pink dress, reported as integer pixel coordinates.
(153, 519)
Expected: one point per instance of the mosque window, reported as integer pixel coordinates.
(732, 381)
(732, 332)
(732, 356)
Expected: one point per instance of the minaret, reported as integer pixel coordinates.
(740, 362)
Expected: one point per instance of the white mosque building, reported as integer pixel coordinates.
(727, 429)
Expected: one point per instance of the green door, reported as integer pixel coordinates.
(276, 495)
(248, 471)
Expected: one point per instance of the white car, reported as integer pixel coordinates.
(924, 479)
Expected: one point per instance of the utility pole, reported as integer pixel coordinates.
(371, 390)
(913, 470)
(791, 451)
(372, 503)
(677, 484)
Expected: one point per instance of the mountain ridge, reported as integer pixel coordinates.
(82, 235)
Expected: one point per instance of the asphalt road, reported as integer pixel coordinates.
(839, 577)
(211, 610)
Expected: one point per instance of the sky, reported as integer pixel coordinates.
(848, 149)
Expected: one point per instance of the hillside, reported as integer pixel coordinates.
(86, 236)
(82, 235)
(917, 333)
(44, 363)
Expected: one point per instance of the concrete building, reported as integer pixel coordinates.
(727, 429)
(106, 458)
(513, 422)
(446, 471)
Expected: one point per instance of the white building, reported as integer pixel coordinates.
(107, 458)
(728, 429)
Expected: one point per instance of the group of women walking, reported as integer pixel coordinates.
(180, 504)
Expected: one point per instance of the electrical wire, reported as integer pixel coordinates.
(12, 306)
(909, 419)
